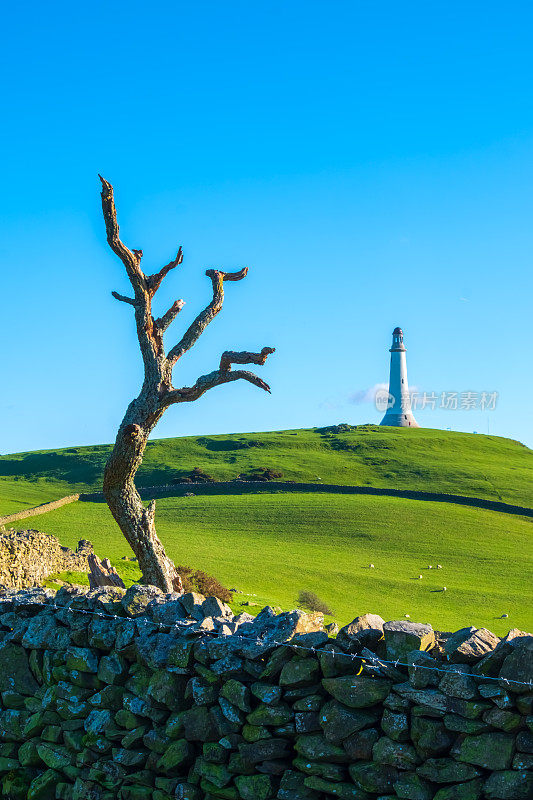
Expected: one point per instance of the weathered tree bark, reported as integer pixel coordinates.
(102, 573)
(157, 394)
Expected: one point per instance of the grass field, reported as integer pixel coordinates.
(275, 545)
(271, 546)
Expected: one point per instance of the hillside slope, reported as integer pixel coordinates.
(272, 546)
(425, 459)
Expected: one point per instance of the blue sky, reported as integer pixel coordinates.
(370, 162)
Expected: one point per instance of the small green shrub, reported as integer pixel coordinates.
(196, 476)
(194, 580)
(261, 474)
(312, 602)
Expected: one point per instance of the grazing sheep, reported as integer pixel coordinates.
(420, 577)
(429, 566)
(443, 588)
(408, 616)
(439, 566)
(371, 566)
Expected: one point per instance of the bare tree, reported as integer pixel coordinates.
(157, 394)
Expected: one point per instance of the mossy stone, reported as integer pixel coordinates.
(374, 778)
(346, 791)
(254, 787)
(357, 691)
(471, 790)
(44, 786)
(493, 751)
(174, 756)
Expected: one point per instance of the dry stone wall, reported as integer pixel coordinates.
(44, 508)
(28, 557)
(138, 695)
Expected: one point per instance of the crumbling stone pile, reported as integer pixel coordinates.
(28, 557)
(138, 695)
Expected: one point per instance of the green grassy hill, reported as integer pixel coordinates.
(271, 546)
(431, 460)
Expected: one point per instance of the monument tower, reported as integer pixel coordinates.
(398, 412)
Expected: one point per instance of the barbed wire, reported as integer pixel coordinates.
(373, 661)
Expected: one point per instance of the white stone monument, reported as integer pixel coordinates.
(398, 411)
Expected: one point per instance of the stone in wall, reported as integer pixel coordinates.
(28, 557)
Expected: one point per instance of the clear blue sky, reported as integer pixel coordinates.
(371, 163)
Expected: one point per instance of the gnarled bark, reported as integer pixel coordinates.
(157, 394)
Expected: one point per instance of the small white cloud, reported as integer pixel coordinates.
(367, 395)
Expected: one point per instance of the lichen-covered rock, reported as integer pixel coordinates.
(374, 778)
(338, 721)
(395, 754)
(98, 720)
(43, 787)
(359, 745)
(137, 599)
(492, 751)
(264, 750)
(471, 790)
(82, 659)
(330, 772)
(15, 673)
(167, 687)
(112, 669)
(518, 666)
(192, 602)
(357, 691)
(411, 786)
(503, 720)
(316, 747)
(430, 736)
(299, 672)
(54, 756)
(44, 632)
(254, 787)
(458, 682)
(402, 637)
(447, 770)
(270, 694)
(395, 725)
(214, 607)
(470, 644)
(422, 669)
(364, 631)
(270, 715)
(346, 791)
(509, 785)
(237, 694)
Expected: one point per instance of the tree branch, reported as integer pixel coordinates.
(130, 259)
(222, 375)
(153, 282)
(205, 382)
(231, 357)
(203, 319)
(163, 322)
(124, 299)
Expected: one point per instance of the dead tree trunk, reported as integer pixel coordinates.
(157, 394)
(101, 573)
